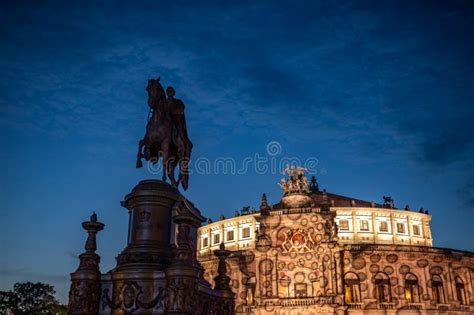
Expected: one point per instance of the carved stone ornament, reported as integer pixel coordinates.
(129, 298)
(298, 241)
(84, 297)
(297, 183)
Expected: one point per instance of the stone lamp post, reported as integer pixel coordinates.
(85, 281)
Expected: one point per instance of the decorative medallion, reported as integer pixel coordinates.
(392, 258)
(358, 263)
(422, 263)
(388, 270)
(375, 258)
(362, 276)
(438, 259)
(374, 268)
(266, 267)
(436, 270)
(299, 277)
(404, 269)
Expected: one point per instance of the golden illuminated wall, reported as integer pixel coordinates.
(382, 226)
(364, 225)
(296, 263)
(236, 233)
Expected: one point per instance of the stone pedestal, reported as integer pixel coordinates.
(137, 284)
(150, 204)
(157, 272)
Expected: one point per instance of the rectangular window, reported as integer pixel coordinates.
(205, 242)
(364, 225)
(301, 290)
(383, 226)
(246, 232)
(343, 225)
(401, 228)
(230, 235)
(216, 239)
(416, 230)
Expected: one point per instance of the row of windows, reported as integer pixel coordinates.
(229, 236)
(412, 291)
(383, 226)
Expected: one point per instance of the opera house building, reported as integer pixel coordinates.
(314, 252)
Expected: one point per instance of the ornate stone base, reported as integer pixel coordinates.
(140, 293)
(157, 273)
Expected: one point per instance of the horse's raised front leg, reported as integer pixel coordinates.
(173, 161)
(165, 154)
(141, 143)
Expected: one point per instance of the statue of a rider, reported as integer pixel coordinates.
(166, 134)
(180, 132)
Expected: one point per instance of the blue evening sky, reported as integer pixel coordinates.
(380, 92)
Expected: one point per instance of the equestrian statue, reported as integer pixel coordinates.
(166, 134)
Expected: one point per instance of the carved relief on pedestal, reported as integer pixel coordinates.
(178, 292)
(84, 297)
(129, 297)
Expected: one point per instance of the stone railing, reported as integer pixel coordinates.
(414, 306)
(354, 306)
(464, 308)
(292, 302)
(443, 306)
(386, 306)
(407, 248)
(294, 211)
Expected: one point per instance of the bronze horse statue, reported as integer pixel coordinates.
(165, 136)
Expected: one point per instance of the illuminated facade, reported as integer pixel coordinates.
(319, 253)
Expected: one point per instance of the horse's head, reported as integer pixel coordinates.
(156, 94)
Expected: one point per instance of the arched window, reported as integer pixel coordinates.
(438, 290)
(460, 293)
(382, 288)
(351, 288)
(250, 284)
(411, 288)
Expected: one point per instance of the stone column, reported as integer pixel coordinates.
(409, 227)
(354, 225)
(424, 231)
(393, 226)
(374, 228)
(85, 287)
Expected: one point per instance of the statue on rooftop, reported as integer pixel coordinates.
(166, 134)
(297, 183)
(388, 202)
